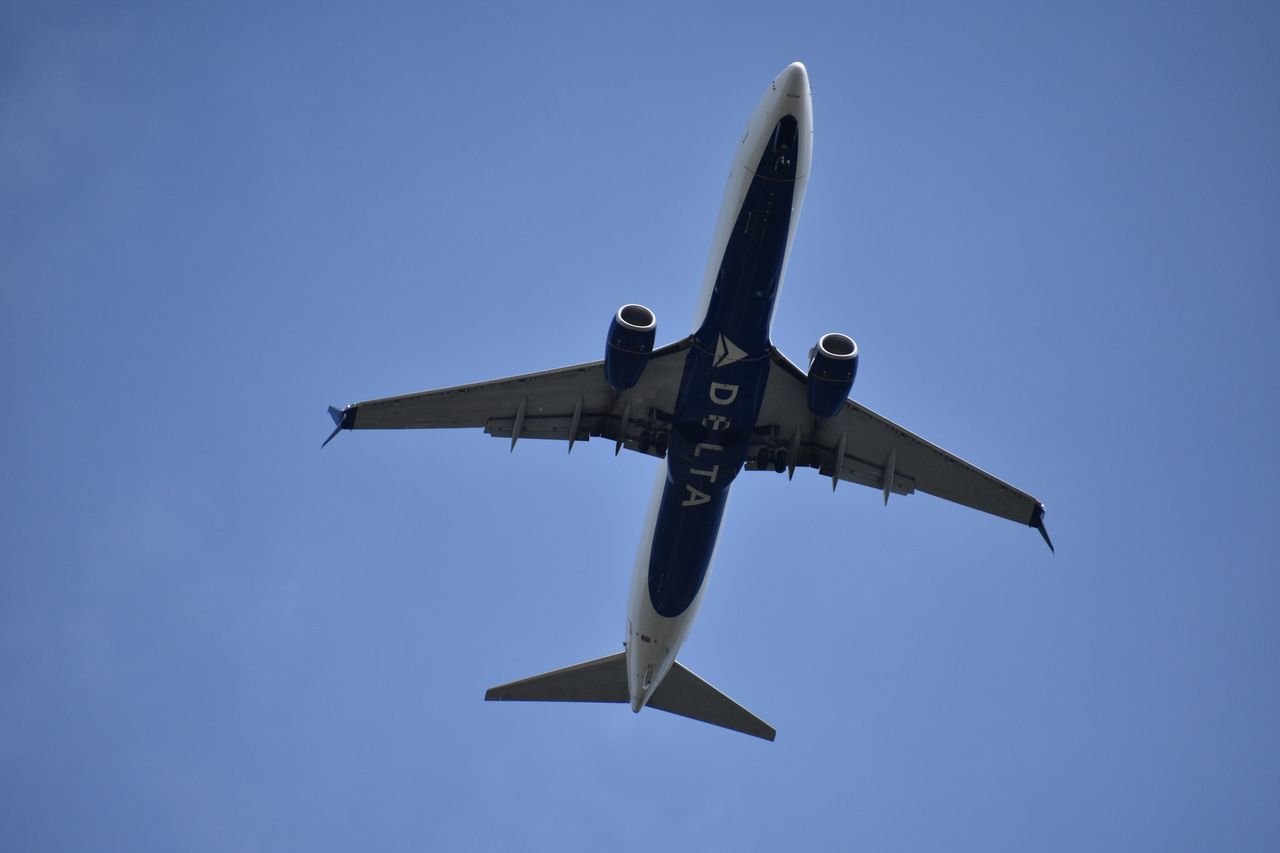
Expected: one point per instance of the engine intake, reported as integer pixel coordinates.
(832, 365)
(630, 342)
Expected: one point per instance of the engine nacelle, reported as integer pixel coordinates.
(630, 342)
(832, 365)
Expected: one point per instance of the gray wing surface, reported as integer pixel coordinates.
(859, 446)
(600, 680)
(681, 692)
(570, 404)
(605, 680)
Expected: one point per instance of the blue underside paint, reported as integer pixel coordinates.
(723, 383)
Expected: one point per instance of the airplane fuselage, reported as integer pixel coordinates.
(723, 382)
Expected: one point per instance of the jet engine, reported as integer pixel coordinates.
(832, 366)
(630, 342)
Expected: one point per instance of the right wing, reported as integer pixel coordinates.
(571, 403)
(859, 446)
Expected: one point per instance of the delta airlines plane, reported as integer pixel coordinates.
(718, 402)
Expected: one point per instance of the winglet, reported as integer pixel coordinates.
(1037, 521)
(342, 419)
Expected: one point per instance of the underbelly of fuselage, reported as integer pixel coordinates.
(713, 425)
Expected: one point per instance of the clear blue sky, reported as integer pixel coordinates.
(1054, 232)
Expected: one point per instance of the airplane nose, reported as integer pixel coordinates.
(794, 80)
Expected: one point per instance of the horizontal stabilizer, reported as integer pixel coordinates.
(600, 680)
(605, 680)
(684, 693)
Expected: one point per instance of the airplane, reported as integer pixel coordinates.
(717, 402)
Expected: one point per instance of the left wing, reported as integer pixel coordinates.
(570, 403)
(859, 446)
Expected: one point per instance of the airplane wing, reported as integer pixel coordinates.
(571, 404)
(859, 446)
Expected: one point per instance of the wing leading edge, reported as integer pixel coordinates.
(859, 446)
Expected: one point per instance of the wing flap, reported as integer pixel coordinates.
(552, 426)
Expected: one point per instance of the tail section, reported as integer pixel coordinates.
(684, 693)
(605, 680)
(600, 680)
